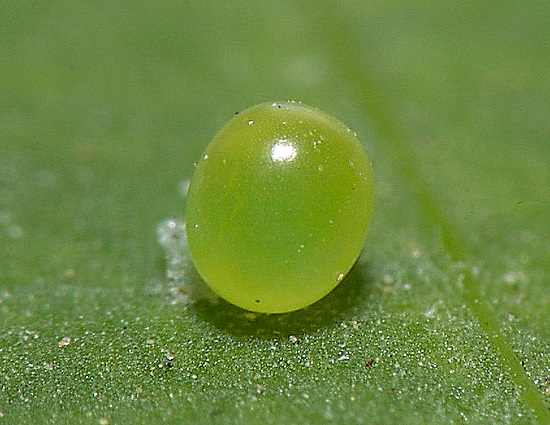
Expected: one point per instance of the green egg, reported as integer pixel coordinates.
(278, 207)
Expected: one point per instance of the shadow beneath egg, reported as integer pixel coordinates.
(338, 306)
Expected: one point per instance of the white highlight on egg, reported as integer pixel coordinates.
(283, 151)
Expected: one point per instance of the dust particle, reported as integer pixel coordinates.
(63, 342)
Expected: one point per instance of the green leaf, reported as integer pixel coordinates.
(104, 107)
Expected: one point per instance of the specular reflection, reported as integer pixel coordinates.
(283, 151)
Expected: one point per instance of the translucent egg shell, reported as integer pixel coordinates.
(278, 207)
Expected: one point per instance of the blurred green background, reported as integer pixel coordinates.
(104, 107)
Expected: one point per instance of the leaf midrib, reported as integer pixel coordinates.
(370, 99)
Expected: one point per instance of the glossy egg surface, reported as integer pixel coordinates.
(278, 207)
